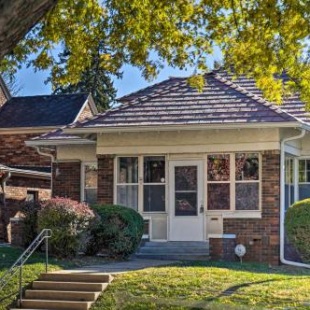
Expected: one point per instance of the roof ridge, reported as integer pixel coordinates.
(257, 98)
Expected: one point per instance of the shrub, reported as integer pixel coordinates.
(117, 232)
(297, 225)
(68, 220)
(30, 222)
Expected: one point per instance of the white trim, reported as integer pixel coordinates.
(138, 128)
(89, 101)
(58, 142)
(222, 236)
(292, 150)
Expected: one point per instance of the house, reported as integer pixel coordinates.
(217, 165)
(25, 174)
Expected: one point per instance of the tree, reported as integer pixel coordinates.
(259, 38)
(94, 80)
(17, 18)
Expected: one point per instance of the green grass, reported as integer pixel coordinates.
(209, 286)
(31, 271)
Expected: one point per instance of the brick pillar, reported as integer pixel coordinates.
(16, 234)
(222, 249)
(105, 179)
(67, 180)
(261, 237)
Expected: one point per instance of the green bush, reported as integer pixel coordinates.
(297, 225)
(68, 220)
(117, 232)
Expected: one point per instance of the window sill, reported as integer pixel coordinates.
(237, 214)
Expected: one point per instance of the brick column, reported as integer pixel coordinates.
(105, 179)
(16, 236)
(261, 236)
(222, 249)
(67, 180)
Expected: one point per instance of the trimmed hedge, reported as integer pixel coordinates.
(297, 225)
(117, 232)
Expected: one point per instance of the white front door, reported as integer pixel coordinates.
(186, 201)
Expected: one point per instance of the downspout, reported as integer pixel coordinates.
(52, 161)
(282, 201)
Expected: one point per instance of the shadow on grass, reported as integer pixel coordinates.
(250, 267)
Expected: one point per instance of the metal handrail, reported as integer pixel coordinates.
(45, 234)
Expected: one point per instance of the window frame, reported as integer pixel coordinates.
(83, 165)
(232, 181)
(141, 182)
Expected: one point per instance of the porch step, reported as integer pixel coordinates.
(71, 290)
(174, 250)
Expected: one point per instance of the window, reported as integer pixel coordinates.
(289, 181)
(233, 181)
(32, 196)
(141, 183)
(154, 184)
(218, 182)
(304, 179)
(247, 181)
(127, 182)
(90, 182)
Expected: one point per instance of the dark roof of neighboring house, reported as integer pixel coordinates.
(28, 171)
(41, 111)
(46, 169)
(174, 102)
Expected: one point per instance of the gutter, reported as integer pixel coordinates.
(282, 201)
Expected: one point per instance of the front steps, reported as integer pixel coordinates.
(65, 290)
(174, 250)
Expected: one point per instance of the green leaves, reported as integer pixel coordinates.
(258, 38)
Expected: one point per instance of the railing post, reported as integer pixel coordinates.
(20, 285)
(46, 254)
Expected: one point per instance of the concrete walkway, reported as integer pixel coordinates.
(121, 267)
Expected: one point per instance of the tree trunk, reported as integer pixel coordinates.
(17, 17)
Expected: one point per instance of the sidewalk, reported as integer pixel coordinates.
(121, 267)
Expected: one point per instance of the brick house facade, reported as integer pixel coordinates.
(27, 173)
(212, 166)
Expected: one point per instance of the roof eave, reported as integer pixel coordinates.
(58, 142)
(185, 127)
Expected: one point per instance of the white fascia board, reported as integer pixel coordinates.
(30, 173)
(223, 126)
(58, 142)
(18, 130)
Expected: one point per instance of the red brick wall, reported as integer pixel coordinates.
(87, 112)
(67, 180)
(3, 98)
(15, 193)
(261, 236)
(13, 151)
(105, 179)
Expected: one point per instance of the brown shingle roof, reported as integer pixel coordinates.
(174, 102)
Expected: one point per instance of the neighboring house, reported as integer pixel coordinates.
(25, 174)
(197, 166)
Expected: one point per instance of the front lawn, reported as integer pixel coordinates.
(209, 286)
(31, 271)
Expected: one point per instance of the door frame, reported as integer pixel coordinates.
(200, 189)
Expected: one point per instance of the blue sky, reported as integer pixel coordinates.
(32, 83)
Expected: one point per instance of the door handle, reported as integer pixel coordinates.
(201, 210)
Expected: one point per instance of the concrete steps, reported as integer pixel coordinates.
(73, 290)
(174, 250)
